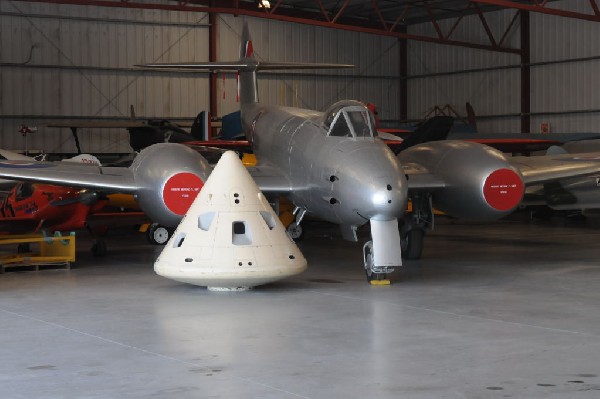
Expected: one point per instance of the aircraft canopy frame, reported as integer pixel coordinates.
(350, 119)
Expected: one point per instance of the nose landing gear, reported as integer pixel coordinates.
(382, 254)
(376, 275)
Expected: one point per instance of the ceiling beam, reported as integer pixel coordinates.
(285, 15)
(543, 9)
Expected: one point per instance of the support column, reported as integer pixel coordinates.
(525, 73)
(403, 72)
(212, 57)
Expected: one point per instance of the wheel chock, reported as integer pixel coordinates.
(380, 282)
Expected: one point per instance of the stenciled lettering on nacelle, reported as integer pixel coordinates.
(503, 189)
(180, 191)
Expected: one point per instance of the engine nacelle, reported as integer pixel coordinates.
(170, 176)
(480, 184)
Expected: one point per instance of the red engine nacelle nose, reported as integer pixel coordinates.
(180, 191)
(503, 189)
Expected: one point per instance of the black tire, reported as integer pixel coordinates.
(412, 244)
(368, 262)
(295, 231)
(157, 234)
(23, 248)
(99, 248)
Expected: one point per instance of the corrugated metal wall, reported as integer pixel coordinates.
(81, 65)
(73, 61)
(489, 92)
(373, 80)
(566, 87)
(82, 57)
(571, 85)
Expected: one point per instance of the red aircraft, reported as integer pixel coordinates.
(28, 208)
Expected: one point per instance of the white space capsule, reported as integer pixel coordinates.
(230, 238)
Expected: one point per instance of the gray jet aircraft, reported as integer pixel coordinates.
(572, 194)
(329, 164)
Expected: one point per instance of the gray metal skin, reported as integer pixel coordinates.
(463, 167)
(582, 193)
(347, 181)
(574, 194)
(153, 167)
(343, 180)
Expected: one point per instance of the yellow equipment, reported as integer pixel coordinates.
(54, 250)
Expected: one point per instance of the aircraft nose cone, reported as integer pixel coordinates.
(387, 202)
(379, 187)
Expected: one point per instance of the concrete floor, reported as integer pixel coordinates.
(507, 310)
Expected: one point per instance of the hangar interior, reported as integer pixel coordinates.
(65, 61)
(491, 310)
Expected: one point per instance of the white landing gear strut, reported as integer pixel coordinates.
(383, 253)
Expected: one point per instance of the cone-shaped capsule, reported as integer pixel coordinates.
(230, 238)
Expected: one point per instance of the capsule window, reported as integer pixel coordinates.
(205, 220)
(269, 219)
(240, 234)
(178, 240)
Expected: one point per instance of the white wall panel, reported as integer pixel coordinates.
(568, 86)
(489, 92)
(558, 38)
(92, 53)
(432, 58)
(88, 69)
(555, 87)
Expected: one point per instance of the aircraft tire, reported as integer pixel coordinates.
(99, 248)
(412, 243)
(23, 248)
(158, 234)
(295, 231)
(368, 263)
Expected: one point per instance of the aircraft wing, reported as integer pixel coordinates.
(70, 174)
(235, 145)
(546, 168)
(420, 178)
(124, 124)
(535, 170)
(270, 180)
(98, 124)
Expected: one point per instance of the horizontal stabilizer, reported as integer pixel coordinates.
(242, 66)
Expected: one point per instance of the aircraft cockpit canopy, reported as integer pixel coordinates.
(348, 119)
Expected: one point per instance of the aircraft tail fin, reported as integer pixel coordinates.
(199, 130)
(247, 66)
(471, 118)
(433, 129)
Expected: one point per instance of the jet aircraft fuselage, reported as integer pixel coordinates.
(337, 169)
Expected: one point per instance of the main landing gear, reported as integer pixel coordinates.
(99, 247)
(294, 230)
(157, 234)
(412, 231)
